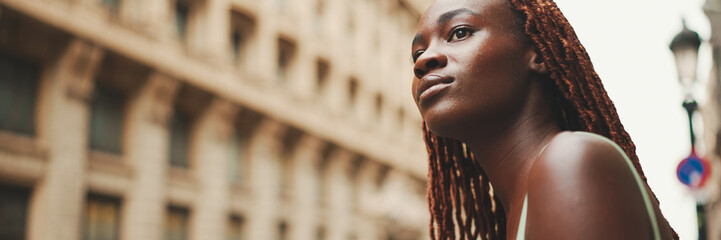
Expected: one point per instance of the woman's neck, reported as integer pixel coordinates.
(507, 157)
(506, 150)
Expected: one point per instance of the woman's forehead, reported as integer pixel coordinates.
(441, 10)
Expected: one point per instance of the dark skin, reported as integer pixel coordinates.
(479, 81)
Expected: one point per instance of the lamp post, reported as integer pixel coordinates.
(693, 170)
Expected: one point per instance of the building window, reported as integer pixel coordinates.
(106, 120)
(238, 156)
(286, 53)
(18, 91)
(322, 174)
(112, 5)
(322, 72)
(242, 27)
(245, 124)
(379, 105)
(235, 228)
(282, 231)
(179, 139)
(352, 92)
(182, 15)
(382, 176)
(320, 187)
(13, 212)
(320, 233)
(102, 217)
(286, 175)
(290, 142)
(355, 194)
(176, 223)
(236, 41)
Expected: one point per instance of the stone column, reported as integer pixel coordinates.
(264, 46)
(216, 37)
(339, 217)
(265, 148)
(146, 16)
(305, 203)
(215, 127)
(158, 20)
(147, 143)
(306, 85)
(56, 207)
(337, 86)
(367, 178)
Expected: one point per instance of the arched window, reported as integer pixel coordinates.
(286, 58)
(18, 94)
(242, 27)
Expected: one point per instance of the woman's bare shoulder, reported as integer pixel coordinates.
(582, 187)
(576, 148)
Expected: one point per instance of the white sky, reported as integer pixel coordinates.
(628, 44)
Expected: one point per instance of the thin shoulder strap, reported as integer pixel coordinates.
(521, 233)
(641, 186)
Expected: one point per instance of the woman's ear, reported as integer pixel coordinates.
(537, 64)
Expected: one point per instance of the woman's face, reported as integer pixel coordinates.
(471, 65)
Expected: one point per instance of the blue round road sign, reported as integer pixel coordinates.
(693, 171)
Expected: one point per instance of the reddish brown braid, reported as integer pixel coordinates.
(461, 199)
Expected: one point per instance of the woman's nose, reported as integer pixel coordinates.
(428, 61)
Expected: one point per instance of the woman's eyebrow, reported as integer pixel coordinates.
(417, 39)
(444, 18)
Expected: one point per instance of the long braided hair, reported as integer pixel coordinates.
(461, 198)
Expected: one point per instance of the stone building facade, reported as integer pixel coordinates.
(711, 114)
(209, 120)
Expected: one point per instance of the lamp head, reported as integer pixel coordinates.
(685, 47)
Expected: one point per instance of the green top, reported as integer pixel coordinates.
(521, 233)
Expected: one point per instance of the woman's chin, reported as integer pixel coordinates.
(443, 126)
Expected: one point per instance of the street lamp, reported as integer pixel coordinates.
(685, 47)
(693, 170)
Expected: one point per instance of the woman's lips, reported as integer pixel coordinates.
(431, 85)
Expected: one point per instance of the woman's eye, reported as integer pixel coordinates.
(460, 33)
(416, 55)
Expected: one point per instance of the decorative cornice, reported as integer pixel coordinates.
(163, 92)
(223, 113)
(79, 65)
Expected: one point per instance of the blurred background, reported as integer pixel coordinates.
(209, 119)
(286, 119)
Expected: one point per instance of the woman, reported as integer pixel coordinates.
(501, 85)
